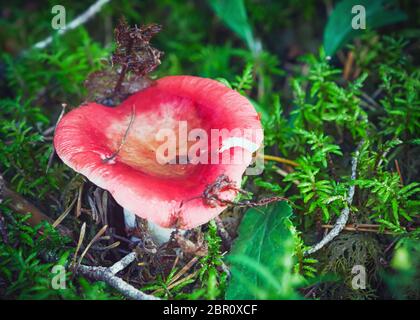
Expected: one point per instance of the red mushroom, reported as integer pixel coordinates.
(119, 150)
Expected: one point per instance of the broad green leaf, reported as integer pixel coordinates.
(261, 258)
(233, 14)
(339, 31)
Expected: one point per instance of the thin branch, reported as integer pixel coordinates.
(268, 157)
(344, 216)
(357, 228)
(79, 243)
(79, 20)
(50, 159)
(123, 263)
(108, 275)
(399, 171)
(64, 214)
(223, 232)
(285, 174)
(3, 231)
(94, 239)
(124, 138)
(22, 206)
(348, 65)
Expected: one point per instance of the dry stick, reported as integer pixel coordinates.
(79, 243)
(50, 159)
(285, 174)
(187, 267)
(64, 214)
(348, 65)
(124, 262)
(357, 228)
(370, 100)
(280, 160)
(399, 171)
(111, 246)
(94, 239)
(174, 284)
(111, 157)
(22, 206)
(3, 232)
(342, 219)
(222, 230)
(108, 275)
(79, 200)
(79, 20)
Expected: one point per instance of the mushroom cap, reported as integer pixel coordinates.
(116, 148)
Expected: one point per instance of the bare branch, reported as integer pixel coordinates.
(124, 138)
(344, 216)
(22, 206)
(123, 263)
(50, 159)
(79, 20)
(108, 276)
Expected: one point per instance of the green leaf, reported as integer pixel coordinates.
(233, 14)
(339, 31)
(262, 256)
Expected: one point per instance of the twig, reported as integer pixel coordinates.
(79, 20)
(222, 231)
(211, 195)
(187, 267)
(50, 159)
(176, 283)
(3, 231)
(79, 243)
(108, 275)
(357, 228)
(94, 239)
(22, 206)
(391, 245)
(311, 292)
(285, 174)
(370, 100)
(123, 263)
(399, 171)
(280, 160)
(348, 65)
(342, 219)
(64, 214)
(79, 201)
(112, 156)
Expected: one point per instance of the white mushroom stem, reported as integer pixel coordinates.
(130, 220)
(159, 234)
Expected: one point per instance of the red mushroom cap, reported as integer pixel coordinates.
(116, 148)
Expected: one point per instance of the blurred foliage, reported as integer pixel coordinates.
(314, 109)
(378, 13)
(404, 279)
